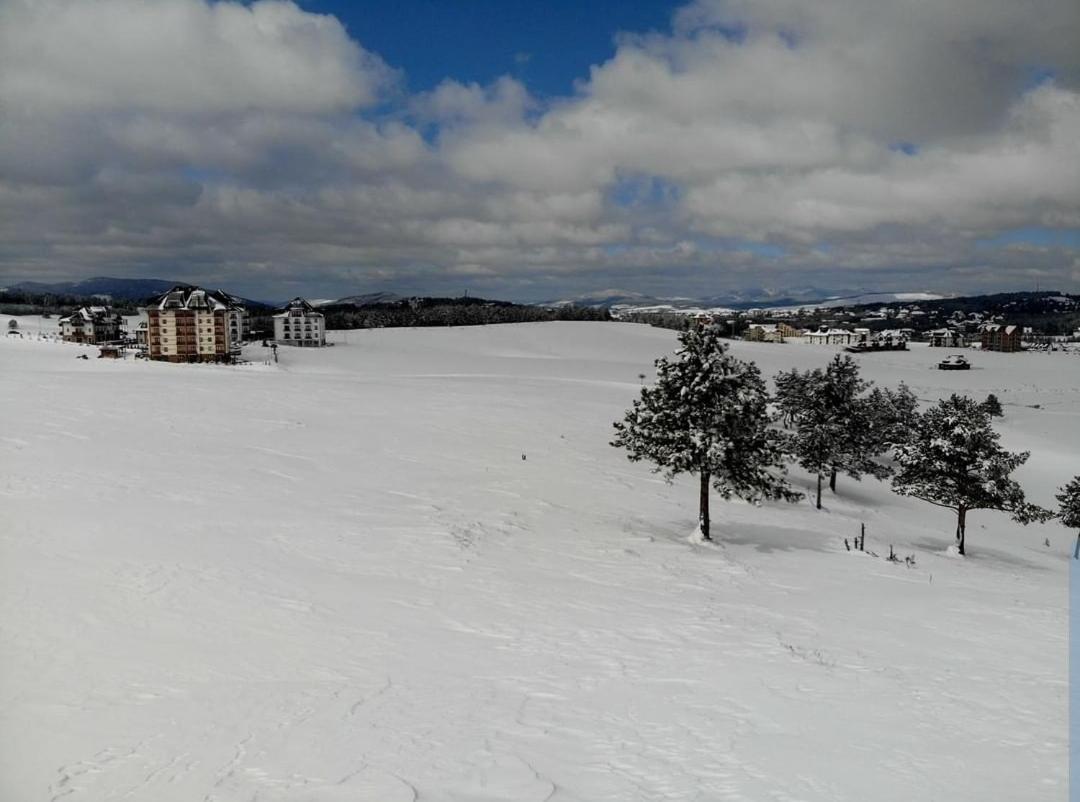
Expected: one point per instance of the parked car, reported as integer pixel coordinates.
(954, 362)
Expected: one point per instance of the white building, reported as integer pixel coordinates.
(946, 338)
(299, 324)
(91, 324)
(834, 337)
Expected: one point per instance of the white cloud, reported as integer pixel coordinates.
(240, 140)
(181, 56)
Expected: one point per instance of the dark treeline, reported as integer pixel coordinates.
(449, 312)
(22, 302)
(662, 320)
(680, 321)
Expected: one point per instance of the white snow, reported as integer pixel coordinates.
(337, 578)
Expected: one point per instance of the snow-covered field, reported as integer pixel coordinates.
(337, 578)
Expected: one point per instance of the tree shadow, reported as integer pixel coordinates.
(772, 538)
(979, 555)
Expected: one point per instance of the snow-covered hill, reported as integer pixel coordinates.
(411, 567)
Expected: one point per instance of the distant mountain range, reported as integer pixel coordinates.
(116, 289)
(369, 299)
(751, 298)
(125, 289)
(140, 289)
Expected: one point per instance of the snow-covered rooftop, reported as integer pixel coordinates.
(192, 298)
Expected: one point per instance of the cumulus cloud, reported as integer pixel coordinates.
(181, 56)
(865, 143)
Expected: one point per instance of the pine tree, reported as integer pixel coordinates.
(993, 406)
(790, 388)
(953, 460)
(894, 413)
(707, 414)
(1069, 512)
(836, 426)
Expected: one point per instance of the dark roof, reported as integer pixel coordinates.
(184, 297)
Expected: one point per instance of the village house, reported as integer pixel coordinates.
(946, 338)
(91, 324)
(190, 324)
(299, 324)
(999, 337)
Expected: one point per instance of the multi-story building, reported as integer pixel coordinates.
(996, 337)
(91, 324)
(190, 324)
(831, 336)
(764, 333)
(299, 324)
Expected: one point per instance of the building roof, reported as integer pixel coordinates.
(89, 314)
(184, 297)
(298, 307)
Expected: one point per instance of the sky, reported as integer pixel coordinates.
(538, 151)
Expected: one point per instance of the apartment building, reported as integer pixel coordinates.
(190, 324)
(299, 324)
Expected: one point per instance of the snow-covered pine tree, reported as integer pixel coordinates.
(835, 425)
(953, 460)
(1069, 511)
(707, 414)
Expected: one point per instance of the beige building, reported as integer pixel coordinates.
(770, 332)
(190, 324)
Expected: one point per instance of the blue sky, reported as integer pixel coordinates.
(537, 151)
(547, 45)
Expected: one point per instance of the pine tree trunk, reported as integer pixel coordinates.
(819, 490)
(703, 507)
(832, 480)
(961, 527)
(1076, 551)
